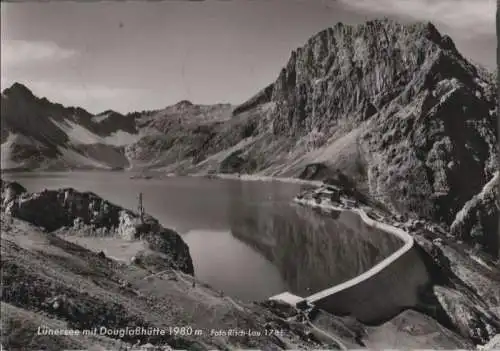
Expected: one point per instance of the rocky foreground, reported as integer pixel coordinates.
(50, 284)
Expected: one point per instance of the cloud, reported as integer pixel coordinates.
(476, 17)
(21, 52)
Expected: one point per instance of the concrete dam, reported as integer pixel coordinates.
(379, 293)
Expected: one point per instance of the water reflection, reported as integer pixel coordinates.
(312, 251)
(285, 246)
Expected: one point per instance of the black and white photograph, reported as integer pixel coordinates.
(249, 175)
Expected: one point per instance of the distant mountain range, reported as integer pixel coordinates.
(39, 134)
(396, 108)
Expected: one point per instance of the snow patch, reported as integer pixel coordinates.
(76, 133)
(20, 139)
(100, 118)
(121, 138)
(80, 135)
(318, 81)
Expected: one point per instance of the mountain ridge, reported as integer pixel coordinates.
(396, 108)
(392, 112)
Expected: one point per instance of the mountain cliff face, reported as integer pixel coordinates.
(418, 119)
(396, 108)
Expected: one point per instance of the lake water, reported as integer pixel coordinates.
(246, 238)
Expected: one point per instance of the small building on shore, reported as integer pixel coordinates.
(350, 203)
(335, 196)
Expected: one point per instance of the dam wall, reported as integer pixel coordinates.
(380, 296)
(382, 291)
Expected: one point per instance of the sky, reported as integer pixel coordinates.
(143, 55)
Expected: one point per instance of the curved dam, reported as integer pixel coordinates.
(379, 293)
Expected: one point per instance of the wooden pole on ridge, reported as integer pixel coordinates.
(141, 208)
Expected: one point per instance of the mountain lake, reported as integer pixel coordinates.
(246, 238)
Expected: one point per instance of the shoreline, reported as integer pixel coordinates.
(257, 178)
(155, 175)
(403, 235)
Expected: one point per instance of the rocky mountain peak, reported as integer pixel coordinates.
(345, 67)
(418, 118)
(108, 112)
(184, 104)
(18, 90)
